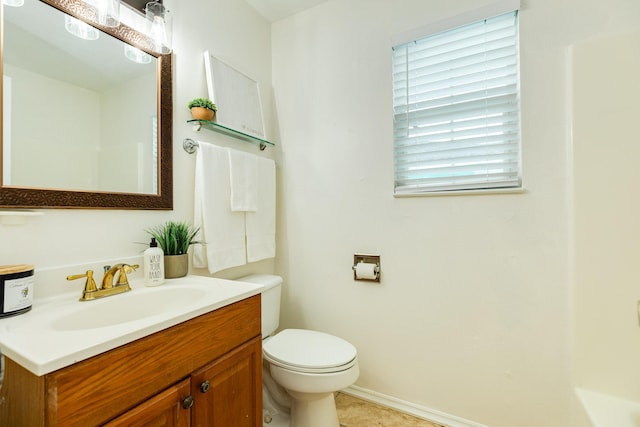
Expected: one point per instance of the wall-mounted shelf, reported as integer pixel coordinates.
(216, 127)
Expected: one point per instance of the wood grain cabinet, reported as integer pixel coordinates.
(205, 372)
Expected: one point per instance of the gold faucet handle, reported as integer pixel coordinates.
(90, 285)
(126, 268)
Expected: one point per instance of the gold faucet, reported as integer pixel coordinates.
(109, 273)
(92, 292)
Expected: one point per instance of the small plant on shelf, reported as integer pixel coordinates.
(202, 109)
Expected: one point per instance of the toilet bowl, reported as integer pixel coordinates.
(307, 366)
(311, 366)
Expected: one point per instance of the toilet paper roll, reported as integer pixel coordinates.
(365, 270)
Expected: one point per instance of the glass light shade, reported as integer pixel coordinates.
(13, 3)
(159, 27)
(107, 12)
(80, 29)
(136, 55)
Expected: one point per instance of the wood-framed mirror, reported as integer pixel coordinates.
(104, 140)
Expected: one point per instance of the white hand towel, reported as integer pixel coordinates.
(261, 224)
(244, 181)
(222, 230)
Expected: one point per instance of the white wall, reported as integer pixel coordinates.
(607, 208)
(40, 110)
(126, 153)
(474, 314)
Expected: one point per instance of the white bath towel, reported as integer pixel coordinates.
(244, 181)
(261, 224)
(222, 230)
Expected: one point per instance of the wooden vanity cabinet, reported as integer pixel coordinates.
(210, 364)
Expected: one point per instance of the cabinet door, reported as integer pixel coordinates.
(228, 392)
(163, 410)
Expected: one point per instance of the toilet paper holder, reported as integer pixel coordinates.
(367, 259)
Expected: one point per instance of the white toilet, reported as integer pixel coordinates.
(310, 365)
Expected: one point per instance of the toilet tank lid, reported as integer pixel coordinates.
(266, 280)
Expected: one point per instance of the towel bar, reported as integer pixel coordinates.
(190, 146)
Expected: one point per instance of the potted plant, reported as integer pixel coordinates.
(202, 109)
(174, 238)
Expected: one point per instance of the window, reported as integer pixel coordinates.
(456, 109)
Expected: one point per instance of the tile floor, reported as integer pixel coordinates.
(354, 412)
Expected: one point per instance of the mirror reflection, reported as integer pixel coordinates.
(79, 106)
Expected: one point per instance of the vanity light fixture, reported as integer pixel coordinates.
(159, 26)
(136, 55)
(107, 12)
(13, 3)
(80, 29)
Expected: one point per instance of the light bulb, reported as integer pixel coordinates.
(158, 34)
(13, 3)
(107, 12)
(159, 27)
(136, 55)
(80, 29)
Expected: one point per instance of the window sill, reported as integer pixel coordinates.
(463, 193)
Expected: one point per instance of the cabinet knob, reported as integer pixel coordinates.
(187, 402)
(204, 387)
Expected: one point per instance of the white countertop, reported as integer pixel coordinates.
(60, 331)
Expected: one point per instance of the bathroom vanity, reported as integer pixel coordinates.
(205, 371)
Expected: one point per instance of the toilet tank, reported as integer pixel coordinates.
(270, 300)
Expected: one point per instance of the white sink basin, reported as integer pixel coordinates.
(62, 330)
(128, 307)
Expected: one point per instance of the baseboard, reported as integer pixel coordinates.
(409, 408)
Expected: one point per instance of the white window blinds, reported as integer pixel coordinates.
(456, 109)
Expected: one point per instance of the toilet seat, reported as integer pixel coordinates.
(308, 351)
